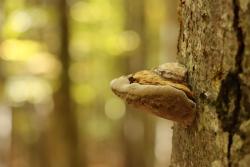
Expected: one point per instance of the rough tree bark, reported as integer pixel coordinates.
(214, 44)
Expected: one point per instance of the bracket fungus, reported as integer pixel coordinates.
(162, 91)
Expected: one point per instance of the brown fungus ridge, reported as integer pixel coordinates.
(147, 77)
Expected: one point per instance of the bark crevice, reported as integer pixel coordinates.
(235, 75)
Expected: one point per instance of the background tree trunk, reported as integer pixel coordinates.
(139, 149)
(65, 117)
(214, 44)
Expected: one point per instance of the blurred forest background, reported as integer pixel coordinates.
(57, 58)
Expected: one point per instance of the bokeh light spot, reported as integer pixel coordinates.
(20, 21)
(129, 40)
(115, 108)
(27, 88)
(19, 50)
(83, 93)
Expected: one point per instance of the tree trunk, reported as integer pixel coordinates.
(65, 119)
(214, 44)
(139, 148)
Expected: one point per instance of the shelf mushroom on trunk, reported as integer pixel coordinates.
(162, 91)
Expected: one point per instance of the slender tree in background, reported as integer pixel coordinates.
(139, 152)
(64, 113)
(214, 44)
